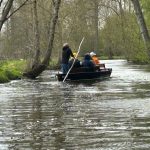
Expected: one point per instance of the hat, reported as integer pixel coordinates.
(65, 44)
(92, 54)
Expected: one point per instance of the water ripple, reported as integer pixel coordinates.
(110, 114)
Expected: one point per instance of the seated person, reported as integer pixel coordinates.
(87, 62)
(77, 62)
(95, 58)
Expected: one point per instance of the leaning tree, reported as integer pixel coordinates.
(38, 66)
(142, 24)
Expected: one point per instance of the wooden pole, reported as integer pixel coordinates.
(74, 60)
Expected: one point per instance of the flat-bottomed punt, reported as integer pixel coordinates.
(85, 73)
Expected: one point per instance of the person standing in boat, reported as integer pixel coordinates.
(66, 54)
(95, 58)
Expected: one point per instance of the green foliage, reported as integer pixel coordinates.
(141, 57)
(146, 10)
(12, 74)
(11, 70)
(121, 37)
(3, 77)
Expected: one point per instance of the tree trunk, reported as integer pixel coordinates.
(142, 24)
(12, 29)
(56, 4)
(61, 40)
(39, 68)
(123, 20)
(96, 43)
(37, 36)
(5, 12)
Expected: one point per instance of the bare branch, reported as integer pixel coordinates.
(17, 9)
(54, 3)
(103, 5)
(5, 12)
(1, 2)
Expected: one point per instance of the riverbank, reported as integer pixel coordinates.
(13, 69)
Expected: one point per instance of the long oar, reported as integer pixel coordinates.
(74, 60)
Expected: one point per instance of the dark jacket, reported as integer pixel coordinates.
(76, 64)
(66, 53)
(87, 61)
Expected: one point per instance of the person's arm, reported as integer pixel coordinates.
(71, 53)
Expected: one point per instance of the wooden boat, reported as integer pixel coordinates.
(85, 73)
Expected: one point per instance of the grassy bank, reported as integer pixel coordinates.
(11, 70)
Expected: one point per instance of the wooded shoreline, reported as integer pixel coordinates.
(14, 69)
(36, 30)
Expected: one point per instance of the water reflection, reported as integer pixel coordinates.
(109, 114)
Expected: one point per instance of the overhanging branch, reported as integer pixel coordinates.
(17, 9)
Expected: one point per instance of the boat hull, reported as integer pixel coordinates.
(86, 75)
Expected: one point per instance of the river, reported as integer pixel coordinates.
(111, 114)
